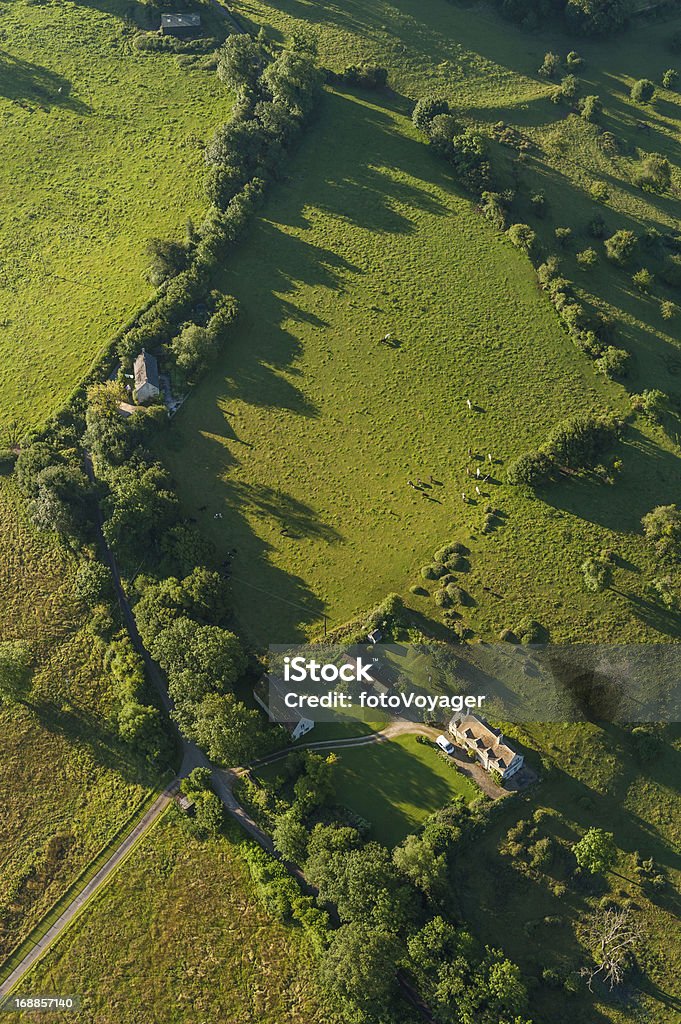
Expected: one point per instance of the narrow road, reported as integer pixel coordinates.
(95, 883)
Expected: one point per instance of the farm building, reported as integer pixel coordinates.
(146, 377)
(487, 744)
(270, 694)
(180, 25)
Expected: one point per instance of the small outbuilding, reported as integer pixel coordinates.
(146, 377)
(180, 24)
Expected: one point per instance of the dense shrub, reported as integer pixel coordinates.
(523, 237)
(613, 363)
(531, 469)
(620, 247)
(654, 173)
(591, 108)
(361, 76)
(643, 90)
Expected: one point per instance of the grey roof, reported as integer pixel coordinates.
(146, 370)
(180, 20)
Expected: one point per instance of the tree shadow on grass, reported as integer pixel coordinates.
(21, 82)
(649, 473)
(81, 728)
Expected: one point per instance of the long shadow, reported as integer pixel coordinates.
(21, 82)
(380, 183)
(81, 728)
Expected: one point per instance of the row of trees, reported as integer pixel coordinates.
(276, 91)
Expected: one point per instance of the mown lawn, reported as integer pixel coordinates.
(179, 936)
(101, 150)
(396, 785)
(68, 784)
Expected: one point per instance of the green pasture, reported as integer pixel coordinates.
(179, 935)
(306, 433)
(69, 785)
(102, 149)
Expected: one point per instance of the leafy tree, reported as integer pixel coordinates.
(597, 574)
(108, 438)
(92, 581)
(241, 62)
(417, 859)
(193, 350)
(587, 258)
(226, 729)
(290, 836)
(167, 259)
(15, 671)
(643, 90)
(551, 65)
(643, 280)
(670, 78)
(141, 506)
(653, 402)
(523, 237)
(620, 247)
(64, 500)
(667, 310)
(31, 461)
(293, 79)
(563, 236)
(211, 655)
(493, 207)
(591, 108)
(662, 527)
(613, 362)
(140, 726)
(359, 969)
(654, 173)
(529, 469)
(363, 883)
(596, 851)
(316, 785)
(428, 108)
(209, 816)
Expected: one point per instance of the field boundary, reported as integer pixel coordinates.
(87, 874)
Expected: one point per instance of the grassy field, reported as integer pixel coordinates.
(595, 779)
(180, 937)
(309, 429)
(396, 785)
(102, 150)
(67, 783)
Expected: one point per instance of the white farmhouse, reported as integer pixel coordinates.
(270, 694)
(488, 745)
(146, 377)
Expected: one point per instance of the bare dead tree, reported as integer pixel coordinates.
(612, 937)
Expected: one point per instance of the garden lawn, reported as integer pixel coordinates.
(68, 784)
(180, 937)
(102, 149)
(397, 784)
